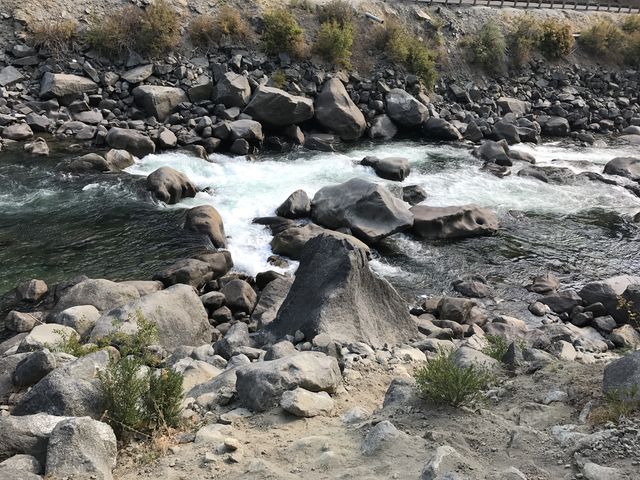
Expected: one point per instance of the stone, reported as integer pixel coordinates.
(562, 302)
(556, 127)
(277, 108)
(260, 385)
(608, 291)
(81, 447)
(248, 130)
(492, 151)
(381, 435)
(468, 357)
(323, 142)
(90, 162)
(336, 112)
(544, 283)
(282, 349)
(132, 141)
(159, 101)
(26, 464)
(355, 415)
(622, 376)
(382, 128)
(170, 186)
(628, 167)
(506, 131)
(65, 87)
(32, 291)
(452, 222)
(102, 294)
(297, 205)
(194, 372)
(592, 471)
(563, 350)
(189, 271)
(17, 131)
(366, 208)
(47, 335)
(439, 129)
(34, 368)
(70, 390)
(206, 220)
(239, 295)
(220, 262)
(270, 300)
(166, 138)
(20, 321)
(236, 337)
(138, 74)
(303, 403)
(176, 311)
(390, 168)
(27, 434)
(413, 194)
(443, 464)
(10, 76)
(232, 90)
(625, 337)
(81, 318)
(118, 160)
(37, 148)
(513, 105)
(335, 292)
(404, 109)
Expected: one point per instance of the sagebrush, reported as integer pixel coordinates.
(497, 347)
(488, 48)
(603, 37)
(524, 37)
(282, 33)
(617, 405)
(57, 36)
(340, 11)
(334, 43)
(208, 31)
(556, 39)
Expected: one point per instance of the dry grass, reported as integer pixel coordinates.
(56, 36)
(282, 33)
(208, 31)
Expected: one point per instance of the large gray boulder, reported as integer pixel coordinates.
(170, 186)
(34, 368)
(335, 292)
(625, 167)
(27, 434)
(17, 131)
(159, 101)
(297, 205)
(189, 271)
(206, 220)
(513, 105)
(556, 127)
(404, 109)
(65, 87)
(270, 301)
(81, 448)
(134, 142)
(10, 75)
(102, 294)
(70, 390)
(177, 313)
(261, 385)
(336, 112)
(248, 130)
(440, 129)
(239, 296)
(232, 90)
(383, 128)
(277, 108)
(368, 209)
(389, 168)
(622, 377)
(608, 292)
(452, 222)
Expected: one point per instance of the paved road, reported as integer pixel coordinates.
(583, 5)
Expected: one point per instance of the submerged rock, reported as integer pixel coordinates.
(205, 219)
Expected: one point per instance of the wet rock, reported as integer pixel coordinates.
(177, 313)
(452, 222)
(414, 194)
(248, 130)
(493, 151)
(303, 403)
(170, 186)
(239, 295)
(544, 283)
(513, 105)
(367, 209)
(608, 292)
(277, 108)
(260, 385)
(472, 287)
(205, 219)
(628, 167)
(439, 129)
(390, 168)
(556, 127)
(25, 466)
(382, 128)
(132, 141)
(38, 147)
(297, 205)
(335, 111)
(404, 109)
(17, 131)
(81, 448)
(335, 292)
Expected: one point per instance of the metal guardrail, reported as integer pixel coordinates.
(538, 4)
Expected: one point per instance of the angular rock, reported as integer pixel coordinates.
(404, 109)
(239, 295)
(205, 219)
(32, 291)
(65, 87)
(248, 130)
(622, 376)
(9, 76)
(170, 186)
(27, 434)
(625, 337)
(189, 271)
(556, 127)
(33, 368)
(138, 74)
(270, 301)
(513, 105)
(608, 292)
(277, 108)
(102, 294)
(159, 101)
(337, 113)
(232, 90)
(335, 292)
(297, 205)
(38, 147)
(382, 434)
(302, 403)
(367, 209)
(439, 129)
(236, 337)
(118, 159)
(132, 141)
(452, 222)
(390, 168)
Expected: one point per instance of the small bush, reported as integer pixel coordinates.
(488, 48)
(632, 57)
(441, 381)
(406, 49)
(334, 43)
(56, 36)
(162, 402)
(72, 345)
(618, 404)
(339, 11)
(203, 32)
(278, 79)
(556, 39)
(282, 33)
(603, 37)
(497, 347)
(631, 23)
(524, 38)
(160, 29)
(207, 31)
(136, 344)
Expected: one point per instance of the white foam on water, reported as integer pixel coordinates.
(242, 189)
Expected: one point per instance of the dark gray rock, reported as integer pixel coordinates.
(291, 240)
(336, 112)
(622, 377)
(277, 108)
(34, 368)
(545, 283)
(158, 101)
(232, 90)
(236, 337)
(297, 205)
(189, 271)
(628, 167)
(414, 194)
(65, 87)
(404, 109)
(390, 168)
(270, 300)
(382, 128)
(132, 141)
(440, 129)
(452, 222)
(562, 302)
(239, 295)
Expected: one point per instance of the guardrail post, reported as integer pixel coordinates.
(459, 2)
(551, 5)
(575, 4)
(588, 2)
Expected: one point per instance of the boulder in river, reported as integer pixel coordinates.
(608, 292)
(336, 112)
(383, 128)
(169, 185)
(17, 131)
(159, 101)
(440, 129)
(205, 219)
(335, 292)
(404, 109)
(277, 108)
(628, 167)
(188, 271)
(366, 208)
(389, 168)
(130, 140)
(453, 222)
(297, 205)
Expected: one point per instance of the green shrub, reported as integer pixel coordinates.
(72, 345)
(524, 38)
(282, 33)
(278, 79)
(153, 31)
(334, 43)
(632, 57)
(136, 344)
(162, 401)
(631, 23)
(497, 347)
(441, 381)
(603, 37)
(488, 48)
(56, 36)
(339, 11)
(406, 49)
(556, 39)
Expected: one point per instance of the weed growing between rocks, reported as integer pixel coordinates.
(617, 405)
(523, 38)
(497, 347)
(631, 23)
(72, 345)
(57, 36)
(488, 48)
(208, 31)
(282, 33)
(556, 39)
(442, 381)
